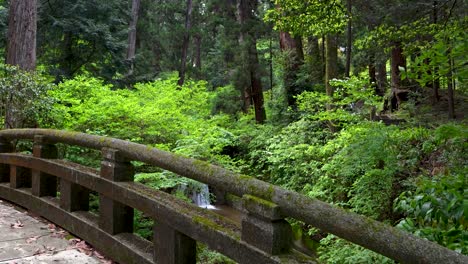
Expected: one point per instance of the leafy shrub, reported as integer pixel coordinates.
(437, 211)
(353, 100)
(154, 113)
(335, 250)
(23, 97)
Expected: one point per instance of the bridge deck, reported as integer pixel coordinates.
(28, 239)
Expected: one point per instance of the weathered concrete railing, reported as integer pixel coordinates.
(263, 238)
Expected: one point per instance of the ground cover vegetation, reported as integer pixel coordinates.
(360, 104)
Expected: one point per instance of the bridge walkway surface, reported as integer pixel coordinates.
(26, 238)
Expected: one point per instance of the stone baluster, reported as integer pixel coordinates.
(264, 226)
(44, 184)
(5, 147)
(173, 247)
(115, 217)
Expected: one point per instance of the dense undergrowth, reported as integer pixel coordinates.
(412, 176)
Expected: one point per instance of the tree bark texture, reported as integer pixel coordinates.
(293, 61)
(22, 25)
(186, 42)
(21, 47)
(132, 35)
(314, 59)
(397, 61)
(331, 67)
(381, 76)
(198, 47)
(349, 36)
(450, 87)
(253, 91)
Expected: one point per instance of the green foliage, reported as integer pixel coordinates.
(160, 180)
(352, 101)
(437, 211)
(449, 44)
(154, 113)
(288, 156)
(227, 101)
(207, 256)
(83, 36)
(23, 98)
(335, 250)
(311, 17)
(143, 225)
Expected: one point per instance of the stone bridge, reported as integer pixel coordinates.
(58, 190)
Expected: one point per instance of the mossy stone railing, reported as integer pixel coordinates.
(264, 237)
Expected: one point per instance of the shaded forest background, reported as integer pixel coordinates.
(358, 103)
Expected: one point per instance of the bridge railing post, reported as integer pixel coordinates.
(5, 147)
(44, 184)
(264, 226)
(172, 246)
(115, 217)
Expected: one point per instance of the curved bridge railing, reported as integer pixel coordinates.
(264, 236)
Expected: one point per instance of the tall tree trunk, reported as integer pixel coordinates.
(22, 25)
(132, 35)
(331, 68)
(314, 59)
(253, 91)
(397, 61)
(349, 37)
(186, 42)
(198, 61)
(381, 76)
(294, 60)
(450, 87)
(324, 60)
(372, 74)
(436, 81)
(68, 58)
(21, 47)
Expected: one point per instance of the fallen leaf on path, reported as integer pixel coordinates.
(32, 239)
(17, 224)
(39, 251)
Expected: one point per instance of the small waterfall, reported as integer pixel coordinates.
(199, 194)
(201, 197)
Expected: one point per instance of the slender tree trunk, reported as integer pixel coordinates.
(331, 69)
(186, 42)
(397, 61)
(315, 59)
(294, 60)
(270, 64)
(450, 87)
(247, 39)
(21, 47)
(349, 36)
(132, 35)
(67, 66)
(198, 43)
(22, 25)
(372, 74)
(324, 66)
(436, 81)
(381, 76)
